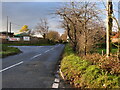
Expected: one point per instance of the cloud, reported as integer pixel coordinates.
(22, 13)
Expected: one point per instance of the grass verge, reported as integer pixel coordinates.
(39, 44)
(99, 50)
(102, 47)
(82, 73)
(6, 51)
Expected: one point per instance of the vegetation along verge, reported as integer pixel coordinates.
(90, 71)
(6, 50)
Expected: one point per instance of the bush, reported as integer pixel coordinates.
(96, 78)
(84, 73)
(68, 50)
(103, 45)
(111, 64)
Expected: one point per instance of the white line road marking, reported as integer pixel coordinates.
(36, 56)
(11, 66)
(52, 48)
(57, 80)
(44, 52)
(47, 51)
(55, 85)
(31, 58)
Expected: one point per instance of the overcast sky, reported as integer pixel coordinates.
(29, 13)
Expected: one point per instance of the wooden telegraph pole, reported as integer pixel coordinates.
(7, 26)
(118, 31)
(10, 27)
(109, 27)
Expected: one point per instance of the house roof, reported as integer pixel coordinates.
(22, 34)
(117, 35)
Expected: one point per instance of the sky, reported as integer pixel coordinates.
(29, 13)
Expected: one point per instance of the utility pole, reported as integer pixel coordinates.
(109, 27)
(10, 27)
(118, 31)
(7, 25)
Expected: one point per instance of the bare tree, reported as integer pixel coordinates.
(32, 32)
(69, 24)
(42, 27)
(80, 20)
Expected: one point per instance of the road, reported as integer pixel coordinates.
(33, 68)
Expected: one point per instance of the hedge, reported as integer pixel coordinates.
(84, 74)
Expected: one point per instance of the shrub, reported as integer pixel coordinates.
(97, 78)
(89, 72)
(111, 64)
(68, 50)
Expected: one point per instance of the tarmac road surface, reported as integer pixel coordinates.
(33, 68)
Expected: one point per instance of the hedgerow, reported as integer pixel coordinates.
(82, 73)
(111, 64)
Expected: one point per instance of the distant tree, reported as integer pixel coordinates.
(53, 35)
(63, 37)
(42, 27)
(24, 28)
(31, 32)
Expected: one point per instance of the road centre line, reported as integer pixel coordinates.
(22, 62)
(19, 63)
(52, 48)
(37, 55)
(47, 51)
(41, 54)
(11, 66)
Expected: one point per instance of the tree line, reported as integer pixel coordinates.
(42, 28)
(83, 25)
